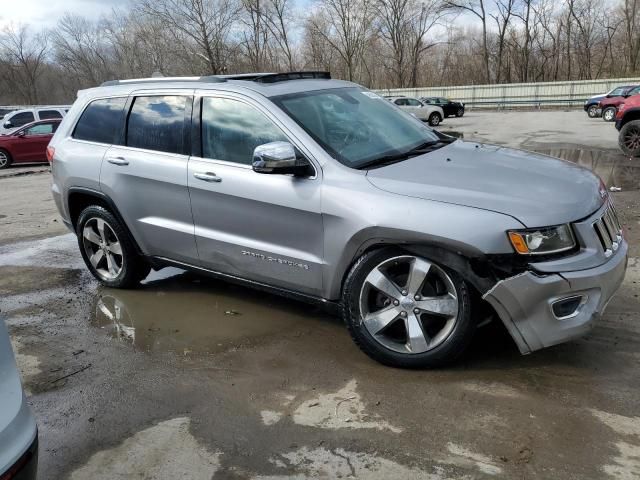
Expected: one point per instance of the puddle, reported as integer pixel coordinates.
(614, 168)
(183, 313)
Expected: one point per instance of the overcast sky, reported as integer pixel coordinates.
(45, 13)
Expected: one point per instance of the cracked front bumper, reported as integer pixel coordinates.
(524, 302)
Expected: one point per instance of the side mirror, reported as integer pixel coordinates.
(280, 158)
(20, 133)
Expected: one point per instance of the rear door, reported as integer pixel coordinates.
(146, 174)
(266, 228)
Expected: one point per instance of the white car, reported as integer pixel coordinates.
(431, 114)
(18, 431)
(19, 118)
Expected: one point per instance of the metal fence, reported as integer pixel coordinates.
(509, 95)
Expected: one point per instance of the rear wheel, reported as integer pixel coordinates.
(629, 138)
(404, 310)
(592, 111)
(609, 114)
(107, 249)
(435, 119)
(5, 159)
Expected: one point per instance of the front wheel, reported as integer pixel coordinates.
(609, 114)
(107, 249)
(592, 111)
(460, 112)
(629, 138)
(435, 119)
(405, 310)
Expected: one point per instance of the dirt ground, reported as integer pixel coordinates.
(189, 377)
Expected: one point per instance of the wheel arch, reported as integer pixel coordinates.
(630, 115)
(467, 261)
(80, 198)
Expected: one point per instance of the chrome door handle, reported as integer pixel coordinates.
(207, 177)
(118, 161)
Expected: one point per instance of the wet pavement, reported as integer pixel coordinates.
(191, 377)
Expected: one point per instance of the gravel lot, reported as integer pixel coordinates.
(190, 377)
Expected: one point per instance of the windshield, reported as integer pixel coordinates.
(354, 125)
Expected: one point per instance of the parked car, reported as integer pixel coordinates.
(18, 431)
(449, 107)
(19, 118)
(592, 105)
(609, 105)
(431, 114)
(628, 124)
(323, 191)
(27, 144)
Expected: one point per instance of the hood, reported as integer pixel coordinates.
(535, 189)
(597, 97)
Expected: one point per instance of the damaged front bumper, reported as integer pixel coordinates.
(524, 302)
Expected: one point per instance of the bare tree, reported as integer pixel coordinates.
(24, 58)
(502, 17)
(280, 22)
(477, 8)
(207, 23)
(346, 26)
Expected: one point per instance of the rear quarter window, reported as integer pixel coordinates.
(48, 114)
(101, 121)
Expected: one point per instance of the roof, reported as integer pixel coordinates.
(266, 84)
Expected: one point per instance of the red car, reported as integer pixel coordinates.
(628, 123)
(27, 144)
(609, 105)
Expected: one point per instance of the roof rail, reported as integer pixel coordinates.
(207, 78)
(278, 77)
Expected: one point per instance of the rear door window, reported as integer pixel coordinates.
(20, 119)
(101, 121)
(47, 114)
(157, 123)
(42, 129)
(413, 102)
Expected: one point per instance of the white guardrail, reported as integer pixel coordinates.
(508, 95)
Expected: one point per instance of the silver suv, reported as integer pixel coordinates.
(322, 190)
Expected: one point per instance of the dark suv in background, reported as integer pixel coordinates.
(449, 107)
(609, 105)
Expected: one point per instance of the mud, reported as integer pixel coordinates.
(191, 377)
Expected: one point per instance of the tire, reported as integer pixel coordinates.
(592, 111)
(609, 114)
(629, 138)
(434, 119)
(108, 250)
(384, 336)
(460, 112)
(5, 159)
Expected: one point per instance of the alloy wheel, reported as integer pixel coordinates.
(408, 304)
(103, 248)
(4, 160)
(631, 138)
(608, 115)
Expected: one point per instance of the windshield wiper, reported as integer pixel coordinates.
(425, 147)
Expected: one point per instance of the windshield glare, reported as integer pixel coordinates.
(355, 126)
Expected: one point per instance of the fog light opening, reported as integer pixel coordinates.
(568, 307)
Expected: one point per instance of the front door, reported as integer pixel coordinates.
(266, 228)
(147, 176)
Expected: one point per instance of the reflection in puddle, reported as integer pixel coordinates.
(615, 169)
(186, 313)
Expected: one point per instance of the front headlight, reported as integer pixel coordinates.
(539, 241)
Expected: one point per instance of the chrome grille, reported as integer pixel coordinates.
(609, 230)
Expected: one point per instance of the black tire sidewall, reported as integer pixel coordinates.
(133, 268)
(455, 344)
(623, 131)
